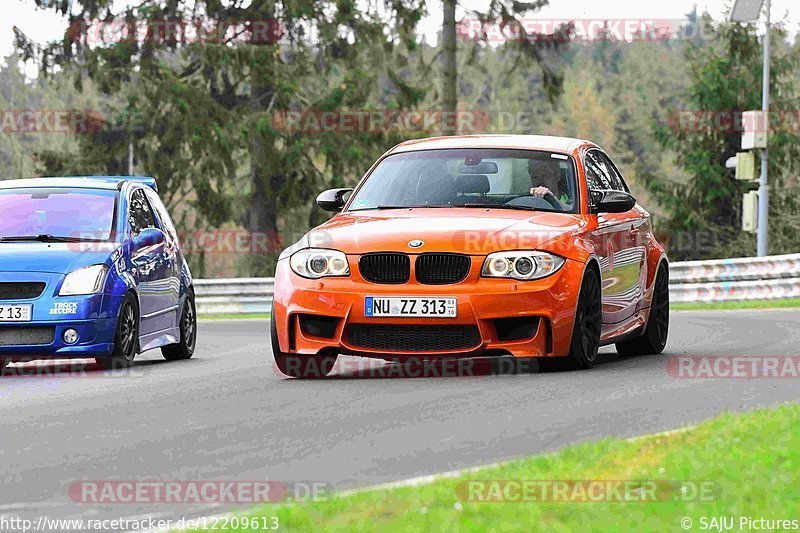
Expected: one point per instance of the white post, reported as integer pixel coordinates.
(130, 159)
(763, 187)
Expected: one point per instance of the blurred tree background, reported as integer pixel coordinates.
(208, 116)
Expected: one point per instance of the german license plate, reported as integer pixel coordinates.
(410, 307)
(15, 313)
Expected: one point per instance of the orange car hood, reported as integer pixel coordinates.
(471, 231)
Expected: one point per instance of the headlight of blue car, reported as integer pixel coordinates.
(87, 280)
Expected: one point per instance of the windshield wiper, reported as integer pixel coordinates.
(399, 207)
(45, 237)
(494, 206)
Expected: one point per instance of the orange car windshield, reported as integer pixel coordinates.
(486, 178)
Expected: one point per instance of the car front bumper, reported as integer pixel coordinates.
(544, 309)
(29, 340)
(93, 317)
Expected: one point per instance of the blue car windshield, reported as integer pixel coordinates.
(57, 213)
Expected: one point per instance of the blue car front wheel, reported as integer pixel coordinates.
(126, 339)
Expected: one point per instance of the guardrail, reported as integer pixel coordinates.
(743, 278)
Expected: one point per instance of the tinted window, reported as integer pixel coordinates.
(141, 216)
(76, 213)
(616, 179)
(601, 174)
(597, 177)
(163, 216)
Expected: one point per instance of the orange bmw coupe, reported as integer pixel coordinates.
(519, 245)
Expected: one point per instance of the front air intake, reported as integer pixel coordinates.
(400, 338)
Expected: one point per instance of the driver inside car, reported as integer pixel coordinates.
(546, 179)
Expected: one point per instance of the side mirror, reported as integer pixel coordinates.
(332, 200)
(611, 201)
(147, 238)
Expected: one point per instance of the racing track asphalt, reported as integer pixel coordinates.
(227, 415)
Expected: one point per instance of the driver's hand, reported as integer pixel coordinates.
(540, 191)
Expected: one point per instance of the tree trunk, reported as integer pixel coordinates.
(450, 69)
(262, 213)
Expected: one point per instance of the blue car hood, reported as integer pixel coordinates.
(59, 258)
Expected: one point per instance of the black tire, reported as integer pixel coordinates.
(299, 366)
(188, 326)
(126, 338)
(3, 364)
(654, 337)
(586, 331)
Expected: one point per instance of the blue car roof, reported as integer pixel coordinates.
(87, 182)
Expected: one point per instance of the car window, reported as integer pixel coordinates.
(597, 177)
(617, 182)
(457, 177)
(163, 215)
(140, 215)
(601, 174)
(62, 212)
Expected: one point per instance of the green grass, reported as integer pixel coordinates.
(233, 316)
(751, 460)
(747, 304)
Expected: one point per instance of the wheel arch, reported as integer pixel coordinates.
(592, 263)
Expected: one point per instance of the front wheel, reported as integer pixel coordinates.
(586, 330)
(654, 338)
(299, 366)
(184, 349)
(126, 338)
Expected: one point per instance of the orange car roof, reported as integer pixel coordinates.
(528, 142)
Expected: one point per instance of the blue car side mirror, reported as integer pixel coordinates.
(148, 237)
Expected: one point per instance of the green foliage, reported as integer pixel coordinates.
(202, 115)
(725, 76)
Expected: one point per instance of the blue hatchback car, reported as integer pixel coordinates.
(91, 267)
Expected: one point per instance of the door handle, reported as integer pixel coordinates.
(633, 232)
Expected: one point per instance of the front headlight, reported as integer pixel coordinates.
(87, 280)
(523, 266)
(319, 263)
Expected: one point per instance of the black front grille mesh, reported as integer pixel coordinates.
(440, 269)
(385, 268)
(26, 335)
(413, 338)
(10, 290)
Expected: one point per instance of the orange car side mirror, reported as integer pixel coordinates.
(332, 200)
(611, 201)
